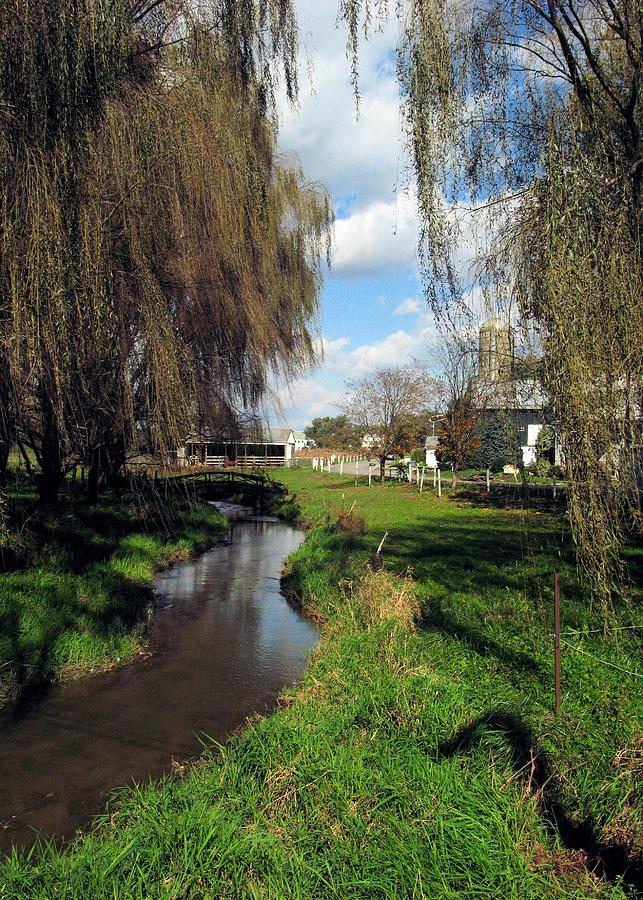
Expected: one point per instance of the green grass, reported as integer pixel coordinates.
(74, 588)
(420, 762)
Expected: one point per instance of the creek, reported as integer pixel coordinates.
(225, 644)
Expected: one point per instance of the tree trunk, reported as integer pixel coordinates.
(93, 480)
(454, 478)
(106, 464)
(7, 423)
(382, 468)
(5, 448)
(50, 455)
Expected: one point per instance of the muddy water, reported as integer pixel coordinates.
(226, 643)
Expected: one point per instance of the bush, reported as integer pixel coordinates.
(498, 444)
(542, 467)
(545, 441)
(288, 511)
(418, 456)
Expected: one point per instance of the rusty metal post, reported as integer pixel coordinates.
(557, 641)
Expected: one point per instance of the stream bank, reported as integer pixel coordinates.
(224, 645)
(75, 581)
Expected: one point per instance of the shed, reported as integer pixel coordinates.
(275, 448)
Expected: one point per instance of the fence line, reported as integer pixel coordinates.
(603, 661)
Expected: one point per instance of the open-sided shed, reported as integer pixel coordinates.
(276, 448)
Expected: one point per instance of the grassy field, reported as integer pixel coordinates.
(413, 759)
(74, 583)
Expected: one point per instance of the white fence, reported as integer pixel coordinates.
(248, 462)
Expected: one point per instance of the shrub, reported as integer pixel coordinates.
(382, 596)
(542, 467)
(289, 511)
(544, 441)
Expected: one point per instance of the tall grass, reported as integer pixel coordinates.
(417, 757)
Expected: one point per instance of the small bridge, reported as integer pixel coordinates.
(218, 484)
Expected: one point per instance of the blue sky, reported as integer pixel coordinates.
(372, 309)
(372, 313)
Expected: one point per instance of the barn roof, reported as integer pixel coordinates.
(277, 435)
(269, 436)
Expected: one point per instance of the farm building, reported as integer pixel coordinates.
(301, 441)
(276, 448)
(523, 401)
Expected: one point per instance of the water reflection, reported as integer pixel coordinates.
(226, 643)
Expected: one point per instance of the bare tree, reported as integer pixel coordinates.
(383, 406)
(463, 394)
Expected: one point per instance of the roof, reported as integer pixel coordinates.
(300, 435)
(269, 436)
(515, 395)
(277, 435)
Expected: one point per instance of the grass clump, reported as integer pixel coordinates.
(74, 593)
(383, 597)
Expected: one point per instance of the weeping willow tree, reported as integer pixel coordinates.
(159, 259)
(531, 111)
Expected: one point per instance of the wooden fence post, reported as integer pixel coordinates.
(557, 642)
(439, 483)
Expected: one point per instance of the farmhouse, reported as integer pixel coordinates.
(521, 401)
(275, 448)
(301, 441)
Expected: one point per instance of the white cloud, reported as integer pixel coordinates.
(352, 154)
(322, 393)
(305, 399)
(329, 350)
(399, 348)
(381, 237)
(410, 306)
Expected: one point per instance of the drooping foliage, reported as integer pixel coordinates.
(532, 110)
(159, 258)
